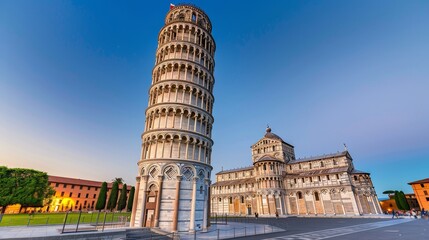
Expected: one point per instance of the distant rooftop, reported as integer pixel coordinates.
(235, 170)
(320, 157)
(426, 180)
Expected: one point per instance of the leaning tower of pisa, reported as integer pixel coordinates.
(172, 189)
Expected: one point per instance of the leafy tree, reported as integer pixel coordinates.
(389, 192)
(113, 198)
(119, 180)
(123, 198)
(130, 199)
(102, 197)
(7, 184)
(27, 187)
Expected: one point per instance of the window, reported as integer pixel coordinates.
(310, 165)
(321, 164)
(311, 179)
(327, 177)
(355, 177)
(274, 148)
(422, 185)
(242, 199)
(299, 166)
(316, 196)
(72, 186)
(62, 194)
(294, 180)
(265, 168)
(70, 194)
(77, 202)
(425, 192)
(80, 187)
(230, 200)
(334, 162)
(89, 188)
(201, 189)
(290, 167)
(303, 180)
(338, 176)
(220, 199)
(57, 184)
(64, 185)
(86, 196)
(95, 195)
(271, 167)
(78, 195)
(318, 178)
(299, 195)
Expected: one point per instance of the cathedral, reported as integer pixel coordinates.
(278, 183)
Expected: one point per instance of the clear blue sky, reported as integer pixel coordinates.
(74, 78)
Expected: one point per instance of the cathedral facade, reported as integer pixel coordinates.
(172, 189)
(278, 183)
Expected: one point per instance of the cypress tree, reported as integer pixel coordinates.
(403, 201)
(102, 195)
(113, 198)
(123, 198)
(397, 201)
(131, 200)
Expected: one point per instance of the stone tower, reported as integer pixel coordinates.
(172, 189)
(270, 155)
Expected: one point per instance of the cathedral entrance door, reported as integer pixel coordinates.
(249, 210)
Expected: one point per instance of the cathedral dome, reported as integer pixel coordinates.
(271, 135)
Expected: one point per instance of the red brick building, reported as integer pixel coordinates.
(71, 194)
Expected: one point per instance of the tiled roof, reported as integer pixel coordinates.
(426, 180)
(320, 157)
(318, 172)
(355, 171)
(235, 170)
(79, 182)
(235, 181)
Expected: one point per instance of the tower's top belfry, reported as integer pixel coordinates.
(189, 13)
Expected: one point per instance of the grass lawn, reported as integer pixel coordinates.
(58, 218)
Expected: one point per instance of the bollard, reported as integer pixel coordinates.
(195, 235)
(104, 221)
(245, 233)
(217, 233)
(264, 229)
(78, 220)
(65, 221)
(234, 232)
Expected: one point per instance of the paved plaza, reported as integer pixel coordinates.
(347, 228)
(292, 228)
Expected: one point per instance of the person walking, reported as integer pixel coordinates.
(277, 214)
(393, 213)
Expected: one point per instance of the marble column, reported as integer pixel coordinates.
(136, 195)
(193, 202)
(176, 203)
(158, 201)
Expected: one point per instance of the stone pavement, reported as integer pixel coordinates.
(218, 231)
